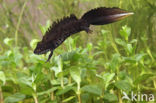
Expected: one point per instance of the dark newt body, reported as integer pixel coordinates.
(64, 28)
(67, 30)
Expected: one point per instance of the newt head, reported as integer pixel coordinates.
(42, 48)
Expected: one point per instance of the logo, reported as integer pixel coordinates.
(138, 97)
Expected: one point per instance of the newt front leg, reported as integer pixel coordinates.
(50, 55)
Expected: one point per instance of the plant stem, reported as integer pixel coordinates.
(69, 79)
(35, 98)
(119, 96)
(62, 82)
(120, 4)
(79, 98)
(1, 49)
(113, 43)
(52, 96)
(118, 91)
(52, 93)
(1, 96)
(154, 82)
(148, 88)
(62, 85)
(149, 53)
(19, 22)
(78, 3)
(79, 93)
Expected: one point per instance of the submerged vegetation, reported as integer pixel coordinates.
(87, 68)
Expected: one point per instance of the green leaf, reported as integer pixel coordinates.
(8, 41)
(47, 91)
(120, 42)
(68, 99)
(123, 85)
(129, 59)
(14, 98)
(123, 75)
(40, 77)
(144, 38)
(104, 32)
(71, 42)
(2, 77)
(85, 97)
(42, 28)
(17, 56)
(125, 32)
(107, 77)
(110, 97)
(45, 28)
(26, 89)
(75, 74)
(48, 23)
(60, 63)
(143, 77)
(33, 43)
(138, 57)
(89, 46)
(133, 41)
(64, 90)
(94, 89)
(129, 48)
(115, 62)
(71, 56)
(25, 81)
(56, 70)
